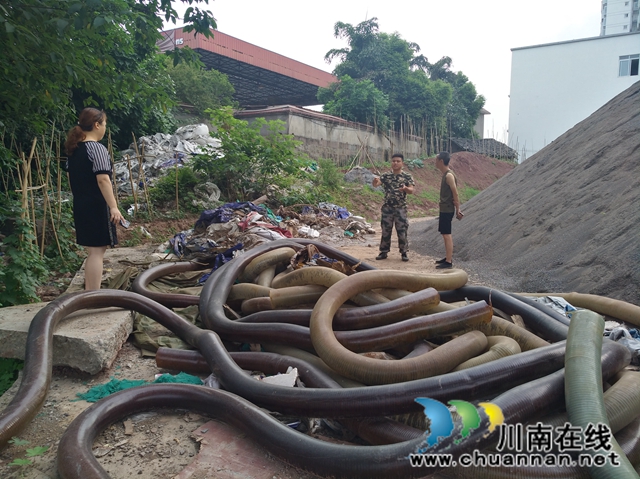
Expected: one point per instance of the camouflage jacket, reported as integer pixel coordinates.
(391, 184)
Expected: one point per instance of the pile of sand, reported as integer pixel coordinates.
(566, 219)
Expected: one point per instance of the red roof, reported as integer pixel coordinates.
(245, 52)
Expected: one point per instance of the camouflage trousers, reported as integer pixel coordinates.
(390, 217)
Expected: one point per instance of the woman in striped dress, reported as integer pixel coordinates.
(95, 211)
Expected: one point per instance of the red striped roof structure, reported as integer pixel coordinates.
(260, 77)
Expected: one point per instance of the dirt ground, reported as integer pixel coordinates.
(155, 445)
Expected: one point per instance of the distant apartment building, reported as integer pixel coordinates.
(557, 85)
(619, 16)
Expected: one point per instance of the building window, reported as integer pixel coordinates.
(629, 65)
(626, 15)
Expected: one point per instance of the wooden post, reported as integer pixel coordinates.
(133, 190)
(113, 169)
(177, 204)
(146, 190)
(45, 199)
(59, 183)
(141, 172)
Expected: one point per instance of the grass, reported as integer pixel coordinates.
(362, 193)
(467, 193)
(430, 194)
(136, 238)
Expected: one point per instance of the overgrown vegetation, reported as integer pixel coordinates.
(32, 213)
(167, 188)
(58, 57)
(247, 161)
(202, 89)
(9, 369)
(384, 79)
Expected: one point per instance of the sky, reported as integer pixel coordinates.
(477, 35)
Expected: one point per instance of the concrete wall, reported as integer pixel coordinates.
(557, 85)
(324, 136)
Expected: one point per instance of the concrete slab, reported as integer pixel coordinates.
(87, 340)
(116, 260)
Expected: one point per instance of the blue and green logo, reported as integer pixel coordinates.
(441, 420)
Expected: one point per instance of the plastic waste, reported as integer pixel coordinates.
(308, 231)
(623, 336)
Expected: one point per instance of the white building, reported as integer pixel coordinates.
(619, 16)
(556, 85)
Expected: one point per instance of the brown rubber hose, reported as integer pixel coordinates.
(265, 261)
(501, 327)
(600, 304)
(499, 347)
(295, 295)
(358, 318)
(372, 371)
(265, 278)
(326, 277)
(170, 300)
(243, 291)
(371, 401)
(256, 305)
(411, 330)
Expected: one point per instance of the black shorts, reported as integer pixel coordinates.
(444, 223)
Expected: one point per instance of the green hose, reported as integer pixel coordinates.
(584, 401)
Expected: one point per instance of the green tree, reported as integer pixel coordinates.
(415, 88)
(203, 89)
(247, 162)
(58, 53)
(465, 104)
(355, 100)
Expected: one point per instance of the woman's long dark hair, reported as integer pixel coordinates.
(88, 118)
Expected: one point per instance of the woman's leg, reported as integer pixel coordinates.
(93, 267)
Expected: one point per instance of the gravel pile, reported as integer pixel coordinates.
(566, 219)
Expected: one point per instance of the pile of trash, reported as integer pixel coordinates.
(160, 153)
(613, 330)
(222, 233)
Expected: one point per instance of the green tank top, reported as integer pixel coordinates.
(446, 195)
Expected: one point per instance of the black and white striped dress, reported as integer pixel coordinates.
(90, 210)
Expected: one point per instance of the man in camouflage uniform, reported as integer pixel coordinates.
(394, 210)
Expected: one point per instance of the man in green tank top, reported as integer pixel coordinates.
(449, 206)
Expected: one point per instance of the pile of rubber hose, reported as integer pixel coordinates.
(414, 364)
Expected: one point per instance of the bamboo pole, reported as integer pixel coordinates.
(24, 210)
(177, 204)
(45, 197)
(59, 183)
(133, 189)
(26, 183)
(55, 234)
(114, 187)
(146, 190)
(141, 172)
